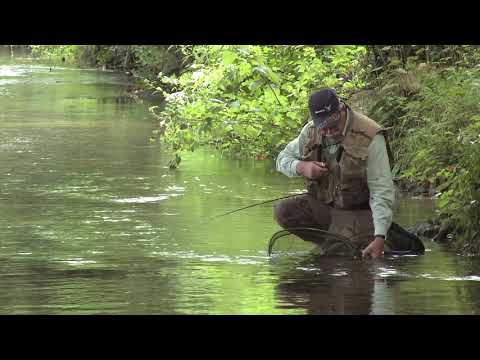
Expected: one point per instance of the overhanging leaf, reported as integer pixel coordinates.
(228, 57)
(255, 84)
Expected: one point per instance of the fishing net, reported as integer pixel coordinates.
(321, 242)
(291, 241)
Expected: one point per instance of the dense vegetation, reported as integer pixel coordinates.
(433, 106)
(251, 100)
(143, 61)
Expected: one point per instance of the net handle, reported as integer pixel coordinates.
(339, 237)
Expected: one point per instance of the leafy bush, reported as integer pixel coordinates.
(250, 100)
(55, 53)
(436, 137)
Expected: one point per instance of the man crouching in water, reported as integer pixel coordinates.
(343, 157)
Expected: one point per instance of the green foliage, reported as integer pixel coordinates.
(429, 124)
(57, 53)
(250, 100)
(434, 111)
(147, 60)
(382, 59)
(461, 202)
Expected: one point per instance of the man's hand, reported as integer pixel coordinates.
(312, 169)
(374, 249)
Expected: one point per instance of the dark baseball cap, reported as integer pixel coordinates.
(322, 104)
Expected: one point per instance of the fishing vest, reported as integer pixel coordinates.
(345, 185)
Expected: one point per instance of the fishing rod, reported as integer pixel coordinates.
(250, 206)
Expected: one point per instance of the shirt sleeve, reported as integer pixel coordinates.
(380, 184)
(289, 157)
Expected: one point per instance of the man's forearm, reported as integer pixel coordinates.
(289, 158)
(380, 183)
(382, 218)
(287, 161)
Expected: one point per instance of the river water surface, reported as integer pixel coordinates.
(94, 222)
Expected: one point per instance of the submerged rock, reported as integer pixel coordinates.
(435, 230)
(415, 189)
(426, 229)
(445, 232)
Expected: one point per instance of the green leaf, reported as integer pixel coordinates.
(255, 84)
(292, 115)
(274, 77)
(243, 51)
(251, 131)
(228, 57)
(261, 70)
(291, 123)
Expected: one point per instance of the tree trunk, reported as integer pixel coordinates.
(401, 55)
(127, 58)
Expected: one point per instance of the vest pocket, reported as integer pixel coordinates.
(354, 199)
(351, 195)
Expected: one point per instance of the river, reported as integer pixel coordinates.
(94, 222)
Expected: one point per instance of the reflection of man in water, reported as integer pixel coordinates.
(343, 156)
(334, 286)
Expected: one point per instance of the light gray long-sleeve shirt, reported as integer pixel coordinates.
(379, 175)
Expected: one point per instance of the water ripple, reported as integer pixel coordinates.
(212, 258)
(142, 199)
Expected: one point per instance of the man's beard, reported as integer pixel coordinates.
(337, 137)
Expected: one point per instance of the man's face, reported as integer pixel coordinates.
(332, 129)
